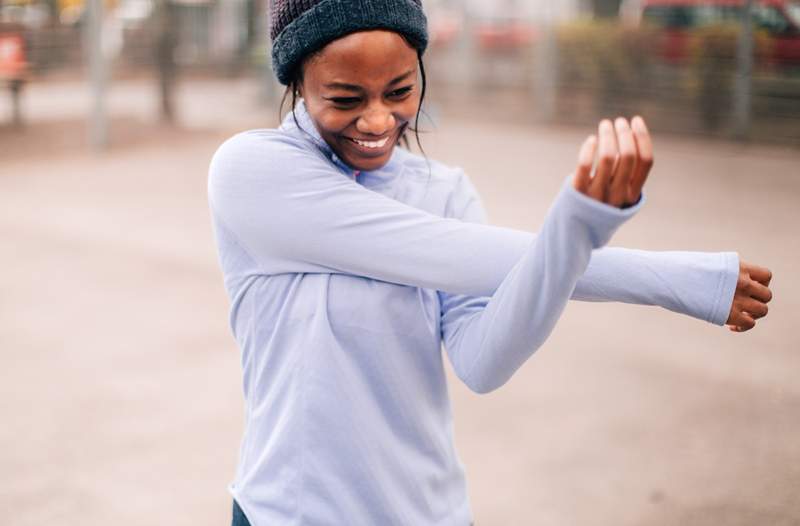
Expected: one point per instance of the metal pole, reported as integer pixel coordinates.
(545, 71)
(98, 125)
(743, 94)
(270, 88)
(16, 105)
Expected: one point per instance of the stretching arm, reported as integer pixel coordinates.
(321, 221)
(486, 349)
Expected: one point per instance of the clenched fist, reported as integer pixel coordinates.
(624, 154)
(751, 297)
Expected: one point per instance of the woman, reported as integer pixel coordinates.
(350, 261)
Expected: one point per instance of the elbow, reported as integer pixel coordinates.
(492, 372)
(483, 388)
(482, 382)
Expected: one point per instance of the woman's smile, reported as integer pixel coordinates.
(373, 147)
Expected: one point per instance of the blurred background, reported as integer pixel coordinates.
(120, 384)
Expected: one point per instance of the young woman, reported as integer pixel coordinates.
(349, 262)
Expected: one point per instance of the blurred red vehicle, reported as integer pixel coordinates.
(13, 64)
(505, 36)
(780, 19)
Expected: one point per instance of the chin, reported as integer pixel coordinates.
(362, 161)
(369, 165)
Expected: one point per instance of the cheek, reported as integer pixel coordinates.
(330, 121)
(409, 108)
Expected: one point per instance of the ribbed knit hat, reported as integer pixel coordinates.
(300, 27)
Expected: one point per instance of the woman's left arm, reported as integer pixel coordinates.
(715, 287)
(482, 345)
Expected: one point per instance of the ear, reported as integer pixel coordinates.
(299, 89)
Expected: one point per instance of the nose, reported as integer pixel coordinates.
(376, 120)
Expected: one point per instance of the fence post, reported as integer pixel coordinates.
(98, 126)
(16, 104)
(545, 69)
(742, 101)
(270, 87)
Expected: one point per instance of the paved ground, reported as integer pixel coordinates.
(120, 386)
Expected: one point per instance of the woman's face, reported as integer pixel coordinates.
(362, 91)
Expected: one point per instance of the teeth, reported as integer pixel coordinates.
(369, 144)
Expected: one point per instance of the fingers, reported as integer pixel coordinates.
(744, 323)
(599, 187)
(583, 175)
(749, 287)
(755, 308)
(760, 292)
(644, 147)
(619, 190)
(760, 274)
(751, 298)
(624, 159)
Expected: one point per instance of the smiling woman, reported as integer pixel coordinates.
(350, 262)
(361, 92)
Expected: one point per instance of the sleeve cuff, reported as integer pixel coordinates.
(727, 288)
(601, 219)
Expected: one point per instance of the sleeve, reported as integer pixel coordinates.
(294, 223)
(693, 283)
(320, 221)
(292, 211)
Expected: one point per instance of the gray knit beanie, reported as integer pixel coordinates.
(300, 27)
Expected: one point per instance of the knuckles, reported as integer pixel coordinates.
(743, 283)
(607, 160)
(627, 157)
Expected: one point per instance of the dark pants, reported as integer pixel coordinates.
(238, 516)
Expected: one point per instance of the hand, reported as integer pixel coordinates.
(625, 160)
(751, 297)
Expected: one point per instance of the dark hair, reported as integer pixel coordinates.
(293, 88)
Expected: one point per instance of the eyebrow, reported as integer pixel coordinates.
(356, 88)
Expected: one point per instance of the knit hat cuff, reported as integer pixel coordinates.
(332, 19)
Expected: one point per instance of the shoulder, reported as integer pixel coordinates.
(263, 148)
(430, 170)
(460, 197)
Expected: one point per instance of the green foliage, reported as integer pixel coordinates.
(718, 45)
(713, 53)
(610, 57)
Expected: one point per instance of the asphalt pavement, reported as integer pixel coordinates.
(120, 386)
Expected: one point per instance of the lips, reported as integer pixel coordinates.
(373, 145)
(372, 148)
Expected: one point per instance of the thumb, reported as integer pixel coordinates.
(583, 175)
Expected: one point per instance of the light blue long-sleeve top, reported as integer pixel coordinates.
(345, 285)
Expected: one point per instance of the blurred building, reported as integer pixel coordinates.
(207, 32)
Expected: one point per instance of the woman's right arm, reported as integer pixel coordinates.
(294, 212)
(365, 234)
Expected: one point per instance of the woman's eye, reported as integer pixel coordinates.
(400, 93)
(345, 101)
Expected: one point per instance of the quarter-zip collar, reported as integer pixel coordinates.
(309, 130)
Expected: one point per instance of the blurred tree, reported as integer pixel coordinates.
(606, 8)
(166, 21)
(251, 30)
(52, 7)
(743, 92)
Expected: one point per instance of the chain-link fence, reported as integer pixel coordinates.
(678, 63)
(685, 77)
